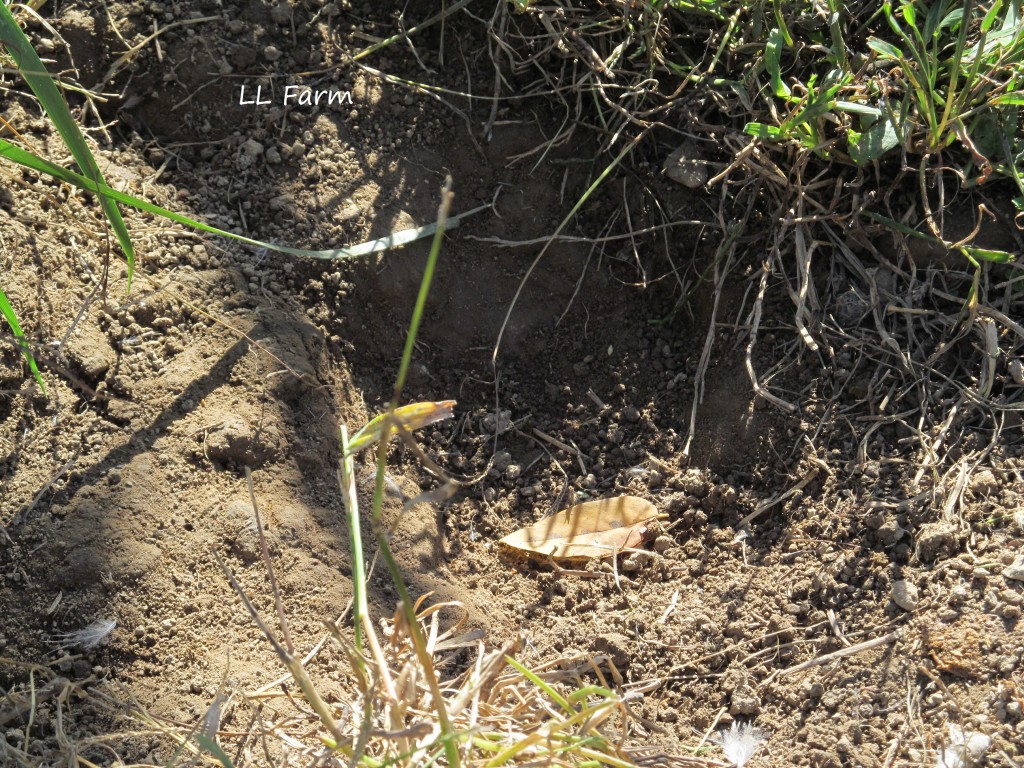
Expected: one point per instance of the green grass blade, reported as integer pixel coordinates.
(211, 746)
(12, 320)
(42, 85)
(554, 695)
(351, 498)
(988, 254)
(18, 155)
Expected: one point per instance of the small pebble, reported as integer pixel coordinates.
(663, 543)
(905, 595)
(1015, 570)
(281, 14)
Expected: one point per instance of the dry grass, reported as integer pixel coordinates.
(564, 712)
(911, 325)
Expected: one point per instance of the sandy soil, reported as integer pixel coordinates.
(119, 486)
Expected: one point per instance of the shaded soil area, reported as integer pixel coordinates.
(787, 541)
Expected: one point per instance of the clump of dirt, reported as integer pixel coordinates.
(770, 595)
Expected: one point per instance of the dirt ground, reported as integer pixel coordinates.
(120, 485)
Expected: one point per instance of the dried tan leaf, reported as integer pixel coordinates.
(593, 529)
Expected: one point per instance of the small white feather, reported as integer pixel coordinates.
(740, 741)
(88, 637)
(964, 748)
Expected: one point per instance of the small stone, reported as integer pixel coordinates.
(905, 595)
(889, 533)
(1015, 571)
(281, 14)
(252, 148)
(1011, 597)
(501, 460)
(686, 166)
(270, 53)
(273, 156)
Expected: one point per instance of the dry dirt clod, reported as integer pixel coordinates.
(905, 595)
(614, 644)
(850, 307)
(745, 701)
(281, 14)
(232, 441)
(935, 540)
(663, 543)
(984, 483)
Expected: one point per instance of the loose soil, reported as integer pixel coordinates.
(123, 484)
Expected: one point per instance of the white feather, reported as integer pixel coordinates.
(86, 638)
(740, 741)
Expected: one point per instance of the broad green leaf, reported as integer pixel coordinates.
(909, 15)
(952, 19)
(874, 142)
(882, 48)
(772, 62)
(762, 131)
(988, 254)
(991, 16)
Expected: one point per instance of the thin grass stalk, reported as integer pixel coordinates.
(347, 479)
(448, 734)
(16, 154)
(292, 664)
(405, 35)
(363, 622)
(952, 97)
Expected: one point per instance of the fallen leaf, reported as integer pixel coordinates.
(593, 529)
(411, 417)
